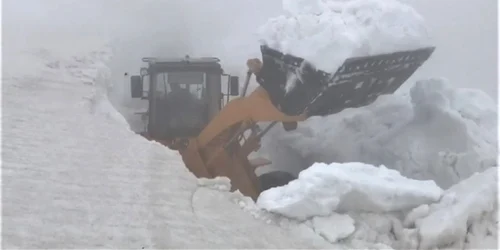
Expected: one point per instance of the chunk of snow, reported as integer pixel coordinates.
(468, 201)
(378, 228)
(218, 183)
(291, 82)
(415, 214)
(326, 32)
(304, 199)
(322, 189)
(334, 227)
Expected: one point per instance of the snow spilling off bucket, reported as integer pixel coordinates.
(327, 32)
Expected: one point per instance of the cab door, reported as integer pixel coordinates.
(159, 114)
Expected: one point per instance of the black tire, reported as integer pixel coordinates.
(275, 179)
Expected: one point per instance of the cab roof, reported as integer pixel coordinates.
(154, 60)
(183, 63)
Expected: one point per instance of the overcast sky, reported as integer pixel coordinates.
(465, 31)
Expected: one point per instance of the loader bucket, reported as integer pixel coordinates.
(357, 83)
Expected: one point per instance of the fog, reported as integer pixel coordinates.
(151, 28)
(465, 36)
(464, 31)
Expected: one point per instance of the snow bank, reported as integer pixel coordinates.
(436, 132)
(326, 32)
(356, 202)
(467, 210)
(322, 189)
(74, 176)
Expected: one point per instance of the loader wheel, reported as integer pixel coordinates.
(274, 179)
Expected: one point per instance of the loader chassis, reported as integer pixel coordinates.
(215, 137)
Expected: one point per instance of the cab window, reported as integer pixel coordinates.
(193, 81)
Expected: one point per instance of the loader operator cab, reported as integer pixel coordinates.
(183, 94)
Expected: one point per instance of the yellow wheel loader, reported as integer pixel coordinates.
(189, 112)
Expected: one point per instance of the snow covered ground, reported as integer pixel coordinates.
(75, 176)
